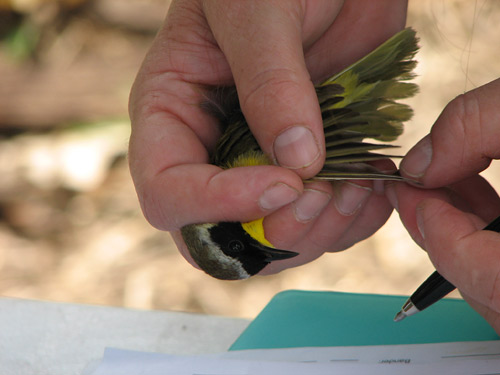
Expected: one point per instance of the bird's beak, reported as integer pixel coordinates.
(276, 254)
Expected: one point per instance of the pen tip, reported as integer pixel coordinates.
(399, 316)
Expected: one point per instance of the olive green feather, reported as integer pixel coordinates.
(359, 102)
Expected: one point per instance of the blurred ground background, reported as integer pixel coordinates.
(70, 225)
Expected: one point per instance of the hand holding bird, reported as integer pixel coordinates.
(272, 52)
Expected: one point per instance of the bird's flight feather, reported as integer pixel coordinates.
(359, 102)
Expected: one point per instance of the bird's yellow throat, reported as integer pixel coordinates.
(255, 229)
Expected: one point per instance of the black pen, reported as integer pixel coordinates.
(434, 288)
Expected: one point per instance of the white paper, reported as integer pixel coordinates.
(412, 353)
(448, 358)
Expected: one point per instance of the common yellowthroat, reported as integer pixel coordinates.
(359, 102)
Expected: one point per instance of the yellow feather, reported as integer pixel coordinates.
(354, 90)
(255, 229)
(249, 159)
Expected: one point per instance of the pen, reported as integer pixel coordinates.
(434, 288)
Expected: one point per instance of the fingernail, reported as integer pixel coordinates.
(350, 197)
(310, 204)
(420, 220)
(296, 148)
(277, 196)
(418, 158)
(391, 195)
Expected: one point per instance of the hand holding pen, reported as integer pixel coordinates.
(448, 216)
(434, 288)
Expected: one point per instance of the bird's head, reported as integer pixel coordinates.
(226, 251)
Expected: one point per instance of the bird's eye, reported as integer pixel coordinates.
(235, 246)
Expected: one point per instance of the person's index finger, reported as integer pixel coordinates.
(462, 142)
(202, 193)
(277, 97)
(176, 186)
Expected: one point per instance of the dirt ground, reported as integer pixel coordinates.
(71, 229)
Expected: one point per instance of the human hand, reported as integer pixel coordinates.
(271, 51)
(447, 220)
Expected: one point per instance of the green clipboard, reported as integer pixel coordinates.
(304, 318)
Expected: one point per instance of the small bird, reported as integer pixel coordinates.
(359, 102)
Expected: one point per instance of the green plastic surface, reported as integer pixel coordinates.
(303, 318)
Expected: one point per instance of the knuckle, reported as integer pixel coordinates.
(269, 88)
(464, 113)
(468, 107)
(152, 208)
